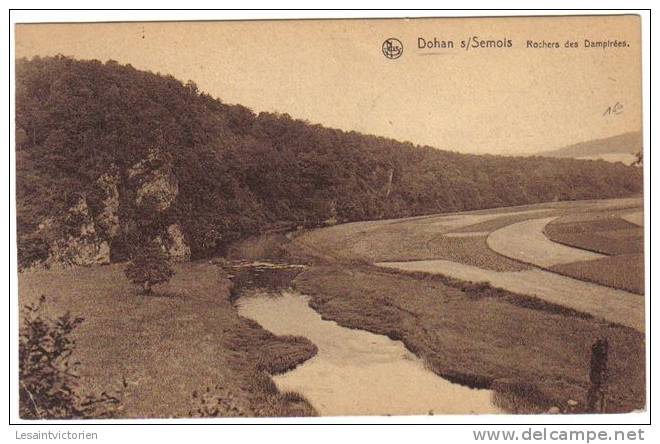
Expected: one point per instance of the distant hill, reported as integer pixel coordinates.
(105, 152)
(621, 148)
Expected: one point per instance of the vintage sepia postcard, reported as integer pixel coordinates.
(340, 217)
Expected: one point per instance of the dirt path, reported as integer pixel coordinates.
(607, 303)
(526, 242)
(636, 218)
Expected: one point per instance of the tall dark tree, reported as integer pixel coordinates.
(149, 266)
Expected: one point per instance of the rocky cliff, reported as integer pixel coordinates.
(84, 236)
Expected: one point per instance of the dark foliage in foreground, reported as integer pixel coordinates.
(240, 173)
(48, 379)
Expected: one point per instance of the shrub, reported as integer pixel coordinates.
(149, 266)
(32, 249)
(48, 385)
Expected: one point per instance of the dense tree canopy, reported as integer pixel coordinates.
(238, 172)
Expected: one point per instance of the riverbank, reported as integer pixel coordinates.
(171, 347)
(524, 347)
(187, 339)
(474, 338)
(356, 372)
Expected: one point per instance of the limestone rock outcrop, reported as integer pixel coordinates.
(80, 244)
(83, 236)
(174, 244)
(154, 181)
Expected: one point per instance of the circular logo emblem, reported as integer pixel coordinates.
(392, 48)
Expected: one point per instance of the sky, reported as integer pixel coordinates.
(514, 100)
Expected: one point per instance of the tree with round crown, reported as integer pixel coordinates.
(149, 266)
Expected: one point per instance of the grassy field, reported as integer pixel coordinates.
(438, 236)
(414, 239)
(182, 340)
(625, 271)
(475, 338)
(470, 332)
(188, 339)
(500, 222)
(470, 251)
(606, 233)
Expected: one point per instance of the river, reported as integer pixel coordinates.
(357, 372)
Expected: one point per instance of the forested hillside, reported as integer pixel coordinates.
(627, 143)
(232, 173)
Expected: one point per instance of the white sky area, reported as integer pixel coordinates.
(499, 101)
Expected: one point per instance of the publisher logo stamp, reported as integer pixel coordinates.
(392, 48)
